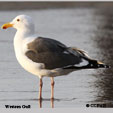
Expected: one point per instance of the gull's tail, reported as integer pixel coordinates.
(86, 62)
(92, 64)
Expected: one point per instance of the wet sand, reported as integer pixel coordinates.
(87, 28)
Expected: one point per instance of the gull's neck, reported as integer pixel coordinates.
(20, 36)
(24, 33)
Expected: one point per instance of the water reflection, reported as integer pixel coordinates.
(104, 40)
(52, 101)
(40, 101)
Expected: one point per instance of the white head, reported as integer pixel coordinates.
(21, 22)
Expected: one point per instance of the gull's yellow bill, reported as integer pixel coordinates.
(7, 25)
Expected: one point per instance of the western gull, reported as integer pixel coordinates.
(45, 57)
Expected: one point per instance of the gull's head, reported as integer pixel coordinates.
(23, 22)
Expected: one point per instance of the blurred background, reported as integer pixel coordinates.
(86, 25)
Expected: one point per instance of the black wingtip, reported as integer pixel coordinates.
(103, 66)
(107, 66)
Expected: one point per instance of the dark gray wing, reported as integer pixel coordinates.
(52, 53)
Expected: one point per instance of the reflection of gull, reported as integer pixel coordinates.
(40, 100)
(46, 57)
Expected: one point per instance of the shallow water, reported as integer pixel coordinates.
(89, 29)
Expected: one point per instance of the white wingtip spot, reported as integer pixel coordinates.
(66, 52)
(98, 65)
(83, 63)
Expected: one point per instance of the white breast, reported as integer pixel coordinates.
(20, 47)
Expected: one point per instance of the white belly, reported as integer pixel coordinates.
(28, 64)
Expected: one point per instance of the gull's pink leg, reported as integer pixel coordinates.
(40, 89)
(52, 88)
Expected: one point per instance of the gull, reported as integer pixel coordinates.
(45, 57)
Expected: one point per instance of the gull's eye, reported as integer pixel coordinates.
(18, 20)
